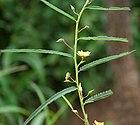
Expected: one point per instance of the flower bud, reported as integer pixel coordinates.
(60, 40)
(72, 7)
(75, 111)
(91, 91)
(90, 1)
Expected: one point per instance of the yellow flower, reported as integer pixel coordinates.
(83, 54)
(98, 123)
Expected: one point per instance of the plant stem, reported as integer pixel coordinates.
(76, 65)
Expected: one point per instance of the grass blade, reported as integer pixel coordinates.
(58, 10)
(110, 8)
(36, 51)
(103, 60)
(12, 70)
(39, 120)
(38, 92)
(47, 102)
(104, 38)
(99, 96)
(42, 99)
(61, 110)
(13, 109)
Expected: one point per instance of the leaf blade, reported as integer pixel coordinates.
(50, 100)
(13, 109)
(13, 70)
(104, 38)
(109, 8)
(36, 51)
(99, 96)
(58, 10)
(103, 60)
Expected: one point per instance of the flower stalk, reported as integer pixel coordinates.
(76, 64)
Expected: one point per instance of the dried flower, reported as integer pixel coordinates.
(83, 54)
(67, 77)
(98, 123)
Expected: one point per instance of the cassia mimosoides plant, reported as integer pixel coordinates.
(82, 54)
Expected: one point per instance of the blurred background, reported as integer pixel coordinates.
(27, 79)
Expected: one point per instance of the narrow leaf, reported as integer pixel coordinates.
(38, 92)
(42, 99)
(99, 96)
(36, 51)
(39, 120)
(47, 102)
(103, 60)
(110, 8)
(12, 70)
(58, 10)
(68, 102)
(104, 38)
(13, 109)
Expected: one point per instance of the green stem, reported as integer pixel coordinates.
(76, 65)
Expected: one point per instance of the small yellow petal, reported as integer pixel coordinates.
(83, 54)
(98, 123)
(67, 80)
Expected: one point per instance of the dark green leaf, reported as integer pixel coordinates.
(36, 51)
(103, 60)
(58, 10)
(47, 102)
(13, 109)
(12, 70)
(110, 8)
(99, 96)
(104, 38)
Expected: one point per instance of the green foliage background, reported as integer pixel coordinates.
(31, 24)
